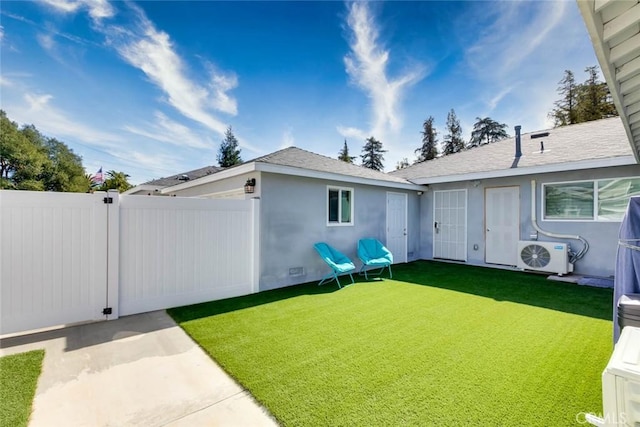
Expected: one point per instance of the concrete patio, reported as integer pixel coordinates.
(137, 370)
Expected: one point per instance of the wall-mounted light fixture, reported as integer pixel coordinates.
(476, 182)
(419, 193)
(250, 186)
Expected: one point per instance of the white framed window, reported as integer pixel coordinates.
(339, 206)
(595, 200)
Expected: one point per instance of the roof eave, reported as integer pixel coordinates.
(217, 176)
(593, 21)
(331, 176)
(532, 170)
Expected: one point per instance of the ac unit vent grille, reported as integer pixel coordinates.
(551, 257)
(535, 256)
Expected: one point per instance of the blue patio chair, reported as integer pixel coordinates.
(339, 262)
(374, 255)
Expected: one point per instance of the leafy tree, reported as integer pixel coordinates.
(453, 142)
(566, 108)
(486, 131)
(22, 156)
(116, 181)
(594, 99)
(429, 148)
(14, 148)
(582, 102)
(372, 154)
(32, 161)
(229, 153)
(404, 163)
(64, 171)
(344, 154)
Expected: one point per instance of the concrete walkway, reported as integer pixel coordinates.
(140, 370)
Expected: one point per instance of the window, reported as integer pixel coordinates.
(339, 206)
(601, 200)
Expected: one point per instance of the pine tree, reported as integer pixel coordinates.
(372, 154)
(486, 131)
(429, 148)
(582, 102)
(404, 163)
(566, 108)
(453, 142)
(344, 154)
(594, 99)
(229, 153)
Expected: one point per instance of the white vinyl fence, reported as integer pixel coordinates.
(67, 258)
(183, 251)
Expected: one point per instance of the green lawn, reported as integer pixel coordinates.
(18, 380)
(441, 344)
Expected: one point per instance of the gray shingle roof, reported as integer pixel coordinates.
(181, 177)
(599, 139)
(303, 159)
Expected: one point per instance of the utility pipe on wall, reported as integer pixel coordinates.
(534, 222)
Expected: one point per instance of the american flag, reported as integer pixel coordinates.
(98, 178)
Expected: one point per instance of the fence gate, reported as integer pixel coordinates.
(53, 259)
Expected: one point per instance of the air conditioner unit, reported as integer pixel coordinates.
(552, 257)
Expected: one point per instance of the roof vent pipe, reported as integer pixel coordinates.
(518, 145)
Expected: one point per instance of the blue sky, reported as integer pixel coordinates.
(148, 88)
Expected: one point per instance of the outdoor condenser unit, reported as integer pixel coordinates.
(552, 257)
(621, 383)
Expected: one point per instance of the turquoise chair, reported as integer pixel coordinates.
(339, 262)
(374, 255)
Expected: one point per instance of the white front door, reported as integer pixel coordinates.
(502, 225)
(450, 224)
(397, 226)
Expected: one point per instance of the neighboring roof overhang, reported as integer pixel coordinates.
(142, 188)
(558, 167)
(614, 27)
(288, 170)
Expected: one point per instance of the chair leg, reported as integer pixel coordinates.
(390, 274)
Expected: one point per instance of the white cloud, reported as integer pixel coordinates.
(52, 121)
(98, 9)
(351, 132)
(366, 65)
(152, 51)
(516, 31)
(287, 139)
(46, 41)
(166, 130)
(5, 82)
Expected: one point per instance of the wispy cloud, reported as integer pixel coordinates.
(287, 139)
(516, 53)
(166, 130)
(516, 30)
(366, 65)
(97, 9)
(145, 47)
(351, 132)
(152, 51)
(53, 121)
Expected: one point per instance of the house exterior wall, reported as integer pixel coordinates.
(222, 188)
(602, 236)
(294, 217)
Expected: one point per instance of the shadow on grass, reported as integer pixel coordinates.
(513, 286)
(500, 285)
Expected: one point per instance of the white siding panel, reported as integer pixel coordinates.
(52, 259)
(179, 251)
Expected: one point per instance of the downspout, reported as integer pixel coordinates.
(574, 257)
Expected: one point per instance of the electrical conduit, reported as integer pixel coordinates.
(574, 257)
